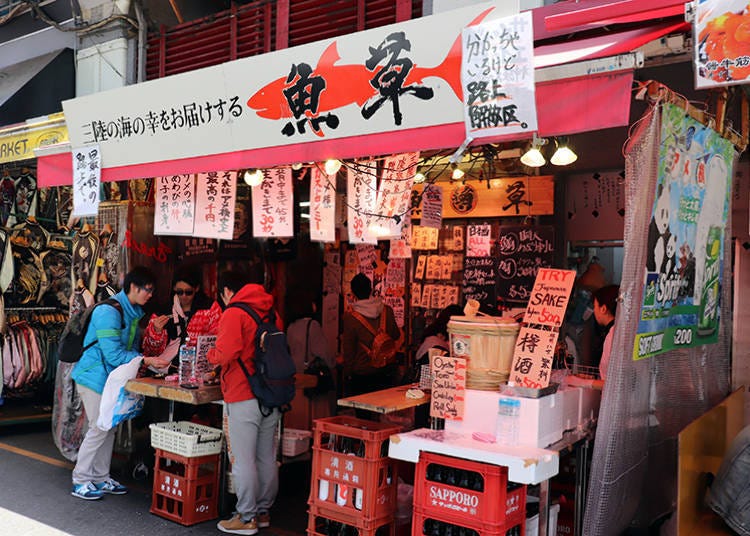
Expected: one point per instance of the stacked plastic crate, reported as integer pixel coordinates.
(354, 483)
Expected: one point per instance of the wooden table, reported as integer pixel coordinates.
(385, 401)
(158, 388)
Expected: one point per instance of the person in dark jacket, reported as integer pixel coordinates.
(251, 432)
(115, 339)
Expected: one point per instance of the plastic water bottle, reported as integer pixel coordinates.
(187, 367)
(508, 412)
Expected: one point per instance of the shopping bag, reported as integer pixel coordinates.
(117, 404)
(69, 423)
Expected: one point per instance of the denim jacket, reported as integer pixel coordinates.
(729, 495)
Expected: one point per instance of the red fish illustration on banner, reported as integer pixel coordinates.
(348, 84)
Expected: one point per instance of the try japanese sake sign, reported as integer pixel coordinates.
(383, 80)
(681, 298)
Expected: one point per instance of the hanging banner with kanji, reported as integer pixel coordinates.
(322, 206)
(87, 180)
(432, 206)
(532, 358)
(401, 247)
(174, 211)
(361, 190)
(215, 197)
(394, 194)
(273, 205)
(721, 50)
(681, 301)
(497, 76)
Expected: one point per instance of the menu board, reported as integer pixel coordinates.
(480, 280)
(448, 387)
(521, 252)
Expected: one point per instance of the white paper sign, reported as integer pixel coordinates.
(478, 240)
(174, 213)
(361, 196)
(401, 248)
(497, 75)
(394, 194)
(322, 207)
(87, 179)
(273, 204)
(432, 206)
(215, 197)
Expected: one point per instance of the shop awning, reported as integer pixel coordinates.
(14, 77)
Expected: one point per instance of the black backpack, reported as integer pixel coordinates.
(70, 346)
(273, 381)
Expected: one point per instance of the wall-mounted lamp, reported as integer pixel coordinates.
(564, 155)
(534, 157)
(332, 166)
(253, 178)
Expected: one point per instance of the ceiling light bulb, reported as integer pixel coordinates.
(533, 158)
(563, 156)
(254, 178)
(297, 166)
(419, 178)
(457, 174)
(332, 166)
(377, 229)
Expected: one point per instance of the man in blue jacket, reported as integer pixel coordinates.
(116, 340)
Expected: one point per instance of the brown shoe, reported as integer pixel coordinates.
(264, 520)
(237, 526)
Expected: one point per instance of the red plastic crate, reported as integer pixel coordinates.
(453, 501)
(374, 435)
(376, 480)
(186, 490)
(423, 524)
(321, 523)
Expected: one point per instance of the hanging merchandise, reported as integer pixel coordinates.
(322, 206)
(273, 205)
(215, 198)
(57, 264)
(394, 194)
(174, 208)
(7, 198)
(361, 187)
(85, 254)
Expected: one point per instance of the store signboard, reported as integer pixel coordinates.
(322, 206)
(273, 205)
(722, 54)
(497, 77)
(18, 142)
(328, 90)
(448, 387)
(174, 206)
(215, 198)
(532, 358)
(685, 251)
(87, 180)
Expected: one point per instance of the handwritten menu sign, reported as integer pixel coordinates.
(480, 280)
(549, 298)
(448, 387)
(458, 238)
(215, 197)
(322, 206)
(521, 252)
(174, 211)
(394, 194)
(532, 358)
(432, 206)
(397, 304)
(416, 295)
(478, 240)
(424, 237)
(401, 248)
(203, 345)
(361, 192)
(273, 204)
(87, 179)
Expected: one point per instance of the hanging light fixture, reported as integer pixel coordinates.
(564, 155)
(297, 166)
(253, 178)
(457, 174)
(534, 157)
(419, 178)
(332, 166)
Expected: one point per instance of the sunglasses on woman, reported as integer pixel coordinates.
(186, 292)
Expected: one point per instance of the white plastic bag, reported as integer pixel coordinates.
(118, 404)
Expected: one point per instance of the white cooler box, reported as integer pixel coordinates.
(540, 420)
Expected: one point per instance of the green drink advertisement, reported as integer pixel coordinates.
(685, 250)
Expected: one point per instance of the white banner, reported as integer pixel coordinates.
(394, 194)
(174, 213)
(361, 190)
(322, 206)
(215, 197)
(87, 179)
(432, 206)
(497, 75)
(273, 204)
(259, 101)
(401, 248)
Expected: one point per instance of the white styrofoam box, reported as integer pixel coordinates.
(589, 406)
(532, 523)
(571, 406)
(540, 420)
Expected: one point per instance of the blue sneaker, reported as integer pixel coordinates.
(87, 491)
(111, 486)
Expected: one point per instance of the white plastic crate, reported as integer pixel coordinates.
(295, 442)
(186, 438)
